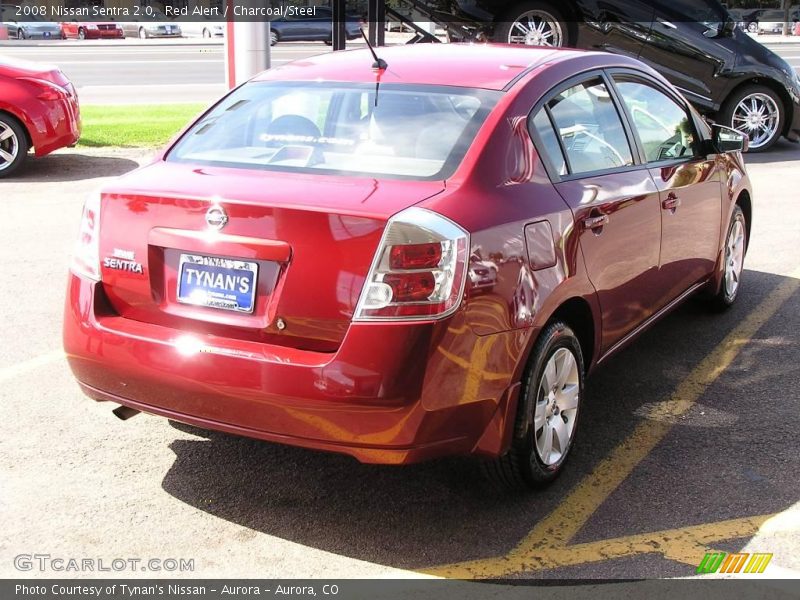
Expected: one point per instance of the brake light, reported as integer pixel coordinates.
(47, 90)
(86, 255)
(419, 269)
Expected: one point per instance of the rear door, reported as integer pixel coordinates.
(618, 26)
(689, 183)
(612, 196)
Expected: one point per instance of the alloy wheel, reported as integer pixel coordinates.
(536, 28)
(556, 409)
(9, 146)
(758, 117)
(273, 38)
(734, 258)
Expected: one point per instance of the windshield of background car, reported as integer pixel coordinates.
(397, 131)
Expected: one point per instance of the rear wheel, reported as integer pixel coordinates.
(532, 24)
(757, 112)
(13, 145)
(547, 417)
(735, 249)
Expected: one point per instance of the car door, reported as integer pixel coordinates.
(618, 26)
(684, 47)
(614, 200)
(688, 181)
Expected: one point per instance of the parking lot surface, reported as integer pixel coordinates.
(688, 441)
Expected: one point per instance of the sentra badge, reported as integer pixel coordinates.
(123, 260)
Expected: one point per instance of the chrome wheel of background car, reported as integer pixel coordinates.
(753, 27)
(273, 38)
(734, 258)
(206, 33)
(556, 407)
(142, 33)
(758, 117)
(536, 28)
(81, 34)
(9, 146)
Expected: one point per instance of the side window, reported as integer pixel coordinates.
(590, 129)
(665, 128)
(550, 147)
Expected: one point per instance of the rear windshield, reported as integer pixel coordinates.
(396, 131)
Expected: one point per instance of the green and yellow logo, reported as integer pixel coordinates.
(741, 562)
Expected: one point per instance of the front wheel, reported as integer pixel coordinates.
(532, 24)
(13, 145)
(547, 416)
(757, 112)
(734, 252)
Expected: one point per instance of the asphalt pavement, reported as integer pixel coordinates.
(688, 441)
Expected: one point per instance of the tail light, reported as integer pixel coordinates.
(47, 90)
(86, 255)
(419, 269)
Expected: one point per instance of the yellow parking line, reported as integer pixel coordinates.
(10, 372)
(555, 531)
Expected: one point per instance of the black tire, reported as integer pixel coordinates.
(20, 141)
(522, 467)
(726, 115)
(505, 24)
(725, 297)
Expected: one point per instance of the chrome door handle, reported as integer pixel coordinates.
(595, 222)
(671, 203)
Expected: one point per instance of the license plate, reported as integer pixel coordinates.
(217, 282)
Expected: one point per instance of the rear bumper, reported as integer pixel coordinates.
(57, 125)
(391, 394)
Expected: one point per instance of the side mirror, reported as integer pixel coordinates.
(728, 140)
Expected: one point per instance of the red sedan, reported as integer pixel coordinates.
(91, 31)
(298, 265)
(38, 109)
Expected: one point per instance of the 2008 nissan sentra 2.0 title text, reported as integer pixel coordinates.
(503, 220)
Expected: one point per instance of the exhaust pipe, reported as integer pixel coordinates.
(125, 412)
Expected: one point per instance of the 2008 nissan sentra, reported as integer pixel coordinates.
(407, 260)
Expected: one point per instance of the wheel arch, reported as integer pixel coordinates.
(577, 314)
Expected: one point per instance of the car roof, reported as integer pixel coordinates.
(487, 66)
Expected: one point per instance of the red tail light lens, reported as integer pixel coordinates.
(86, 255)
(416, 256)
(419, 269)
(47, 90)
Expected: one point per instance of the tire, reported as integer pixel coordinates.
(762, 128)
(206, 34)
(752, 27)
(733, 262)
(13, 145)
(273, 38)
(533, 24)
(81, 34)
(142, 33)
(528, 464)
(20, 34)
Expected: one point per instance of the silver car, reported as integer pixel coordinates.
(152, 24)
(31, 28)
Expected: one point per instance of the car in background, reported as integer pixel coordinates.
(204, 28)
(695, 44)
(295, 267)
(3, 32)
(318, 28)
(38, 110)
(772, 21)
(152, 24)
(90, 30)
(30, 27)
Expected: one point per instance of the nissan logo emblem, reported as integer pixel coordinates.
(216, 217)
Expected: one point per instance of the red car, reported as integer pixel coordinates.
(91, 31)
(38, 109)
(296, 266)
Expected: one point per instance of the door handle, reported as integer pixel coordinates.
(671, 203)
(595, 222)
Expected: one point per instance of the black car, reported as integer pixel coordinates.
(693, 43)
(317, 28)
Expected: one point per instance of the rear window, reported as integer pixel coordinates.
(396, 131)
